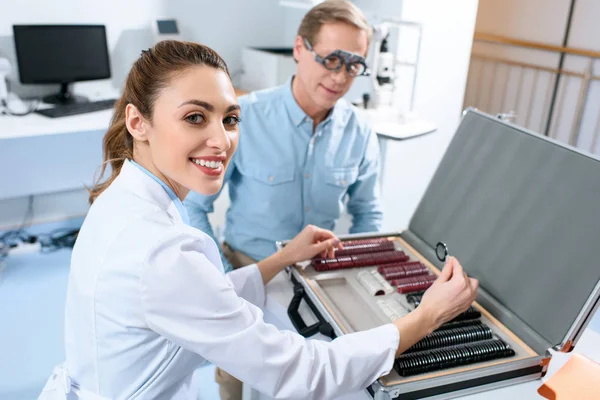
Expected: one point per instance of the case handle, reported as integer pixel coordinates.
(321, 326)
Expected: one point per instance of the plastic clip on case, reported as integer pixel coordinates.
(522, 214)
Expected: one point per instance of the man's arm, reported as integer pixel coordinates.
(364, 195)
(198, 206)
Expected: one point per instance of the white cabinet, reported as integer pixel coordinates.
(266, 67)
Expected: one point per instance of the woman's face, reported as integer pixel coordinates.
(193, 133)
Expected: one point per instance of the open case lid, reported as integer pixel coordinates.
(521, 212)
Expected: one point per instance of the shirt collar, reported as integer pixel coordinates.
(181, 210)
(297, 114)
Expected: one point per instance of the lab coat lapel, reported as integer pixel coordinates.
(138, 183)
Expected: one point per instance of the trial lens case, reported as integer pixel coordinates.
(522, 214)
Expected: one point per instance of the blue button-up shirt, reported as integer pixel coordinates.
(285, 176)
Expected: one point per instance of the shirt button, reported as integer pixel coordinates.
(307, 208)
(271, 178)
(307, 175)
(343, 182)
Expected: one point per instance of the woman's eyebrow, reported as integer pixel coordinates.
(209, 107)
(204, 104)
(232, 107)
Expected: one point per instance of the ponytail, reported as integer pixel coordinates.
(117, 146)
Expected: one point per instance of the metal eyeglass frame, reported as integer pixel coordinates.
(346, 58)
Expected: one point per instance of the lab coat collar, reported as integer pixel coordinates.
(136, 179)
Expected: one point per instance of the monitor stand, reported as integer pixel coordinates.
(64, 97)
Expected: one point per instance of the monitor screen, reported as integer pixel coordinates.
(167, 27)
(61, 53)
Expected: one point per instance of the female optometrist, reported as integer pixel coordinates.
(148, 302)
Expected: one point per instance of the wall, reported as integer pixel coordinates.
(229, 25)
(537, 20)
(226, 26)
(584, 35)
(497, 89)
(441, 78)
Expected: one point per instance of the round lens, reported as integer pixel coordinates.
(441, 251)
(332, 62)
(356, 69)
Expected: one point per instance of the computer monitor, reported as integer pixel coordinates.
(61, 54)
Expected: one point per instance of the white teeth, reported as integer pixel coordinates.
(209, 164)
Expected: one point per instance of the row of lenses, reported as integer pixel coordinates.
(415, 298)
(459, 324)
(360, 248)
(451, 337)
(359, 260)
(414, 283)
(470, 314)
(434, 360)
(402, 270)
(383, 257)
(358, 242)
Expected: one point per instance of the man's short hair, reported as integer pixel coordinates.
(331, 11)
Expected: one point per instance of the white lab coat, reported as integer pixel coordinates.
(148, 303)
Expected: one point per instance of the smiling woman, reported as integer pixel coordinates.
(156, 111)
(148, 301)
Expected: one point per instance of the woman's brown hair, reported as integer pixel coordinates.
(150, 74)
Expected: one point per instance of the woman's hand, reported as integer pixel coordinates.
(307, 244)
(310, 242)
(451, 293)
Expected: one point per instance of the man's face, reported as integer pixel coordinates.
(323, 87)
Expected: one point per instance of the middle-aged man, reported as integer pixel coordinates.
(304, 152)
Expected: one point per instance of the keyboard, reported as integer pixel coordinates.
(77, 108)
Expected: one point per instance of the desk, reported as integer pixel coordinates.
(42, 155)
(279, 294)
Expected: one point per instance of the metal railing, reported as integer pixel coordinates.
(537, 106)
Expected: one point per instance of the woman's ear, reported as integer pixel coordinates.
(135, 122)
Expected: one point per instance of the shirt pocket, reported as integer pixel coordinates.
(270, 176)
(269, 191)
(336, 182)
(341, 177)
